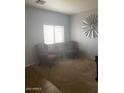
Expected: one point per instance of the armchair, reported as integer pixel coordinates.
(44, 57)
(71, 49)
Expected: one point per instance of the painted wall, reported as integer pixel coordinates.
(34, 20)
(88, 46)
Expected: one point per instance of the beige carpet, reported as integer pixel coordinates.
(71, 75)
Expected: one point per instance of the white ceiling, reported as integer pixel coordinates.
(66, 6)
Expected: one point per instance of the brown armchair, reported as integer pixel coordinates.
(44, 57)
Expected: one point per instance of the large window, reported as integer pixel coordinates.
(53, 34)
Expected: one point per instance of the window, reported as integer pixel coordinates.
(48, 34)
(53, 34)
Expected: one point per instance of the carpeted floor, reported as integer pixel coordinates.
(70, 75)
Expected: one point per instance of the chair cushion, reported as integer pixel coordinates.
(52, 56)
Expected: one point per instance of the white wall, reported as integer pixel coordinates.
(34, 20)
(87, 45)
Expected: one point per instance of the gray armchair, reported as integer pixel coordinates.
(71, 49)
(44, 57)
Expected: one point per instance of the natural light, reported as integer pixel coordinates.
(53, 34)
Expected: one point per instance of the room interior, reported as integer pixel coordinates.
(61, 46)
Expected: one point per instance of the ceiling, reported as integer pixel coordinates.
(66, 6)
